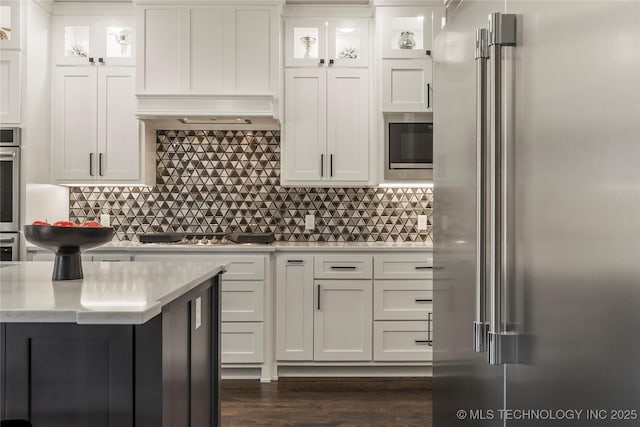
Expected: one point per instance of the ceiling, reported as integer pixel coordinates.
(287, 1)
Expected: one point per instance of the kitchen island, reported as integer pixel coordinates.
(131, 344)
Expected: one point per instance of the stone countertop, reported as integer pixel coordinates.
(110, 293)
(256, 247)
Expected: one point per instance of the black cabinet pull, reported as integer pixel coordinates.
(428, 52)
(318, 297)
(91, 61)
(331, 164)
(428, 95)
(423, 341)
(423, 300)
(91, 164)
(321, 62)
(331, 61)
(429, 324)
(295, 261)
(101, 61)
(423, 267)
(321, 165)
(343, 267)
(100, 164)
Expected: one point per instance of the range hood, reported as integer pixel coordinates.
(208, 110)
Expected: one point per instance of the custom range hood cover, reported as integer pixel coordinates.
(195, 108)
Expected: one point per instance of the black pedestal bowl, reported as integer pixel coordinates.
(67, 243)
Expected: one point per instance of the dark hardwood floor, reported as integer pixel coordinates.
(380, 402)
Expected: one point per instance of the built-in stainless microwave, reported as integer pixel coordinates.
(408, 146)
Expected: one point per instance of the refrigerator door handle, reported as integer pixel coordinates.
(480, 325)
(503, 340)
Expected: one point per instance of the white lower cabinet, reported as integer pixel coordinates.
(10, 87)
(402, 341)
(342, 320)
(403, 307)
(242, 342)
(294, 307)
(242, 302)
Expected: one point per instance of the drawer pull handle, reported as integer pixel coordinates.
(318, 297)
(429, 326)
(423, 267)
(295, 261)
(343, 267)
(429, 342)
(423, 300)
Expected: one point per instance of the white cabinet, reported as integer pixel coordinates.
(241, 342)
(242, 302)
(207, 49)
(10, 87)
(402, 341)
(342, 324)
(326, 319)
(403, 307)
(294, 307)
(326, 138)
(85, 40)
(96, 135)
(407, 85)
(408, 32)
(313, 42)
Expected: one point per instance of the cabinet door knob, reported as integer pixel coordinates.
(321, 62)
(101, 61)
(428, 52)
(331, 61)
(91, 61)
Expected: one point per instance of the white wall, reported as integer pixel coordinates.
(41, 200)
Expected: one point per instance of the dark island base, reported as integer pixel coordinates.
(165, 372)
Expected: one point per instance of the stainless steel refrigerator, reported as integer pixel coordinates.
(537, 214)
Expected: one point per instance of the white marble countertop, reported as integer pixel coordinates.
(110, 293)
(256, 247)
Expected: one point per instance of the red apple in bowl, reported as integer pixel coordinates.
(64, 224)
(40, 223)
(92, 224)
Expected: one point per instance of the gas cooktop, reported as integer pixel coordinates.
(206, 238)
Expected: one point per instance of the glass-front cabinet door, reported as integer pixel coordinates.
(322, 42)
(116, 41)
(85, 40)
(408, 32)
(306, 42)
(10, 24)
(348, 43)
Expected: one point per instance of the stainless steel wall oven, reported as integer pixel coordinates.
(9, 193)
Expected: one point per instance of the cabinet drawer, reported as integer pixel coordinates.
(403, 266)
(402, 299)
(242, 342)
(243, 268)
(242, 301)
(111, 257)
(401, 341)
(342, 266)
(240, 267)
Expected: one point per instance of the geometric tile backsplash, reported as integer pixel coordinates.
(223, 181)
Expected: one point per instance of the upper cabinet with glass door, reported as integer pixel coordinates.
(10, 24)
(408, 32)
(313, 42)
(85, 40)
